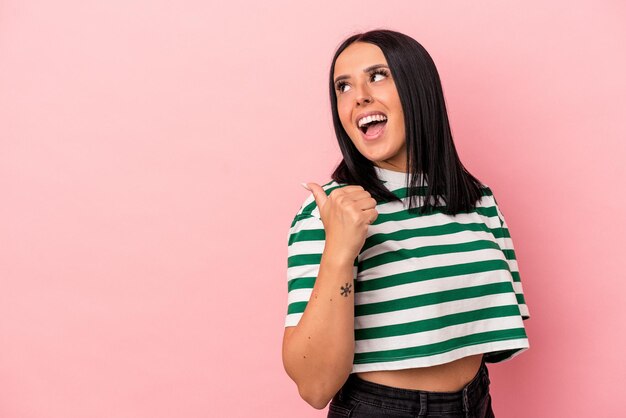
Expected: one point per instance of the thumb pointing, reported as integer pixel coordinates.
(318, 193)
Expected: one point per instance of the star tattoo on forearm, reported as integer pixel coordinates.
(345, 291)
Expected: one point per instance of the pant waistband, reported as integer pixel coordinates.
(410, 399)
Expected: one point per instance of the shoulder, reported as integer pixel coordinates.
(487, 194)
(485, 190)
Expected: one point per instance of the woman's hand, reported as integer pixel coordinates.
(346, 213)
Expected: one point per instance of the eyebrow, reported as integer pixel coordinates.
(365, 70)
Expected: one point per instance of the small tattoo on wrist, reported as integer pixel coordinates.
(345, 291)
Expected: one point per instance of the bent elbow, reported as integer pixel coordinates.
(316, 400)
(319, 394)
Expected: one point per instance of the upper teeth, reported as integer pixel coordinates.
(371, 118)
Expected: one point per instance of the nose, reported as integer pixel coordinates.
(363, 99)
(363, 95)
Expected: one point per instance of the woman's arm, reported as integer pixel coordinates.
(319, 351)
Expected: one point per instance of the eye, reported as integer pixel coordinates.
(380, 71)
(340, 86)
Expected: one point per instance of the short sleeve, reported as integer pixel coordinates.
(506, 243)
(304, 253)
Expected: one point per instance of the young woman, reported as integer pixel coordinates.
(402, 277)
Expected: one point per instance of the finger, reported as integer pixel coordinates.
(318, 194)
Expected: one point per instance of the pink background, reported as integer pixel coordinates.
(151, 154)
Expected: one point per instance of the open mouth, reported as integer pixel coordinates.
(373, 129)
(372, 126)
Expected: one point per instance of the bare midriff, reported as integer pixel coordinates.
(447, 377)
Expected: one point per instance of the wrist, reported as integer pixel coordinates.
(337, 258)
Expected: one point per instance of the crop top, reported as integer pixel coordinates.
(428, 289)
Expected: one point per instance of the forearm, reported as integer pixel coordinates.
(320, 352)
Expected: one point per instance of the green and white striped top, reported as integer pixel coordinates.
(428, 289)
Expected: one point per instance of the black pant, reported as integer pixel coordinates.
(363, 399)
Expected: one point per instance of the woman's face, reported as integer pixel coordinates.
(364, 90)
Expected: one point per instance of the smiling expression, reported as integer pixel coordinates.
(361, 73)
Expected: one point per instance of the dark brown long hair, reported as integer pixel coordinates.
(430, 146)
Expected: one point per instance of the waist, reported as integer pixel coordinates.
(373, 395)
(447, 377)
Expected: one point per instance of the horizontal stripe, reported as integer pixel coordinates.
(504, 350)
(390, 355)
(423, 287)
(425, 251)
(429, 274)
(432, 298)
(433, 310)
(439, 335)
(437, 323)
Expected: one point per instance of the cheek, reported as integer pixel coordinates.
(397, 110)
(344, 115)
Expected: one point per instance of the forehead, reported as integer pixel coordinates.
(358, 56)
